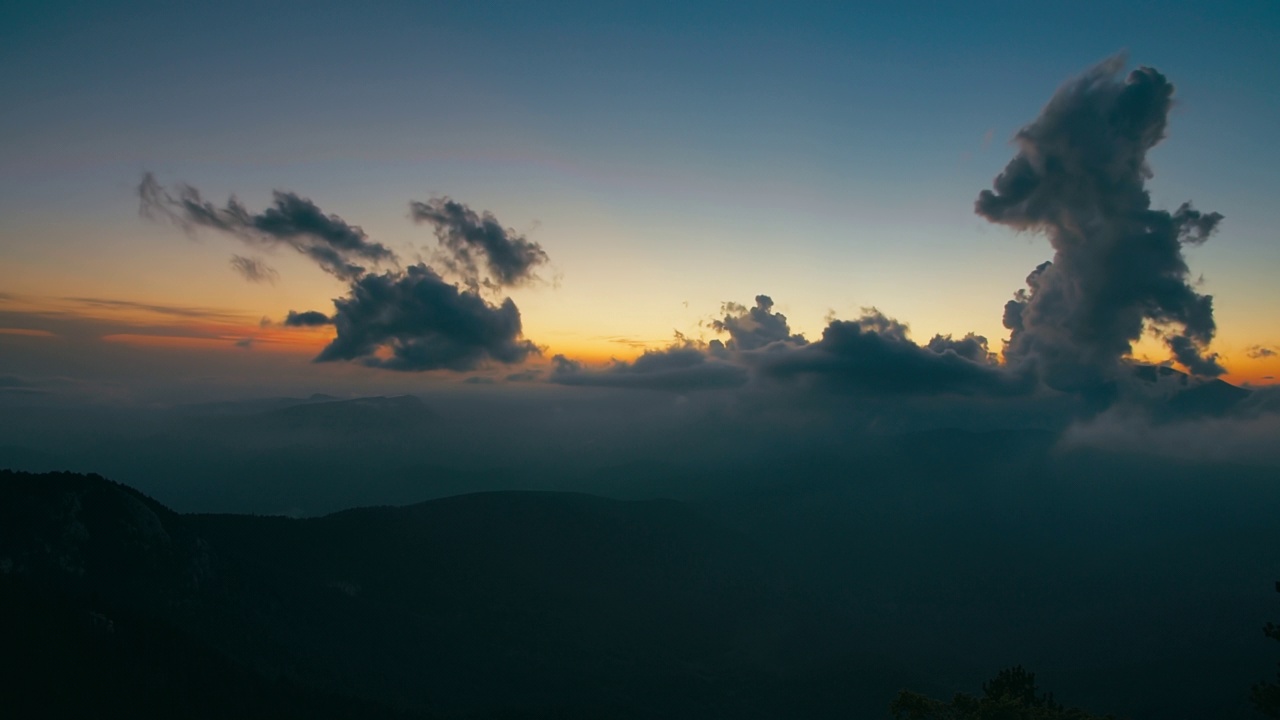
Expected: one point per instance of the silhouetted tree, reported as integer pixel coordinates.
(1266, 695)
(1010, 695)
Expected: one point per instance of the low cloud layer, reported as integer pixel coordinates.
(1246, 433)
(1118, 268)
(680, 368)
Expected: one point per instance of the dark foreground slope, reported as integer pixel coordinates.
(1131, 584)
(531, 601)
(815, 588)
(109, 601)
(484, 605)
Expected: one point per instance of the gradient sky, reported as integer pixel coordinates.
(668, 158)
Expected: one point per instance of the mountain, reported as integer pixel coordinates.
(105, 596)
(480, 605)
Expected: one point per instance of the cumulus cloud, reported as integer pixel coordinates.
(1079, 177)
(1258, 352)
(406, 319)
(683, 367)
(472, 240)
(756, 327)
(413, 320)
(873, 355)
(307, 318)
(971, 347)
(254, 270)
(293, 221)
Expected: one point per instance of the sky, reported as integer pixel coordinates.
(658, 161)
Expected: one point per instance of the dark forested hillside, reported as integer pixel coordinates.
(821, 596)
(479, 605)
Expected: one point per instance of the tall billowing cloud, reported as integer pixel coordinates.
(1079, 177)
(414, 320)
(406, 319)
(293, 221)
(472, 239)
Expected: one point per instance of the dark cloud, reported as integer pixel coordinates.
(307, 318)
(254, 270)
(472, 239)
(245, 343)
(479, 380)
(754, 328)
(1186, 351)
(414, 320)
(683, 367)
(1118, 266)
(524, 376)
(294, 221)
(971, 347)
(408, 319)
(874, 356)
(1257, 352)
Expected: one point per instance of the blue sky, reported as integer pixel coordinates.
(669, 157)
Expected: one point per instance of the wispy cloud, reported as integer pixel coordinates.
(477, 247)
(182, 311)
(254, 270)
(291, 221)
